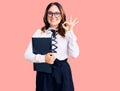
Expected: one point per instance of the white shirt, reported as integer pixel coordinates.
(66, 46)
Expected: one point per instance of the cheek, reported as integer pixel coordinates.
(48, 19)
(59, 19)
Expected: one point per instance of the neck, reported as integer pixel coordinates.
(54, 27)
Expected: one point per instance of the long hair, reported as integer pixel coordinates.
(61, 30)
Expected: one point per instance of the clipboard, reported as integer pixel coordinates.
(42, 46)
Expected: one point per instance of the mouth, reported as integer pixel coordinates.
(53, 20)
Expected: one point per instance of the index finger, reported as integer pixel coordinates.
(70, 18)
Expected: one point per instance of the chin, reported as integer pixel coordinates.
(54, 24)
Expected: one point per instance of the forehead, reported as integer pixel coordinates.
(53, 8)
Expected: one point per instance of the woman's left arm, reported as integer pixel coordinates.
(73, 48)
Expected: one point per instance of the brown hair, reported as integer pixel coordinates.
(61, 30)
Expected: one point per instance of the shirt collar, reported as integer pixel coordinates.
(49, 30)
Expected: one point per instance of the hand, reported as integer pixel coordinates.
(49, 58)
(69, 25)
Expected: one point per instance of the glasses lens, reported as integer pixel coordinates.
(57, 14)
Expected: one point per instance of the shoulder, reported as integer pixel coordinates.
(37, 32)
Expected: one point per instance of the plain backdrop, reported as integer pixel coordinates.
(98, 35)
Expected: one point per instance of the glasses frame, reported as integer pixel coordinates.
(56, 14)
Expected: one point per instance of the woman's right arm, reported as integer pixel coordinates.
(29, 55)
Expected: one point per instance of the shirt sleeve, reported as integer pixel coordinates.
(73, 48)
(30, 56)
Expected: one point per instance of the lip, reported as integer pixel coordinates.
(53, 20)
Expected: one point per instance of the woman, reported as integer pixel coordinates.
(65, 44)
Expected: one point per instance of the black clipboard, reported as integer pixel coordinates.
(42, 46)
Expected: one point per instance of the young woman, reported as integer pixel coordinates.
(64, 44)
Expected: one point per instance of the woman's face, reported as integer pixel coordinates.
(54, 16)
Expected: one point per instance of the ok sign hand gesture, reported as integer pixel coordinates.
(69, 25)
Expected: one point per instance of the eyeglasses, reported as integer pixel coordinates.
(56, 14)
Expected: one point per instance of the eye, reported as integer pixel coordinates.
(57, 13)
(50, 13)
